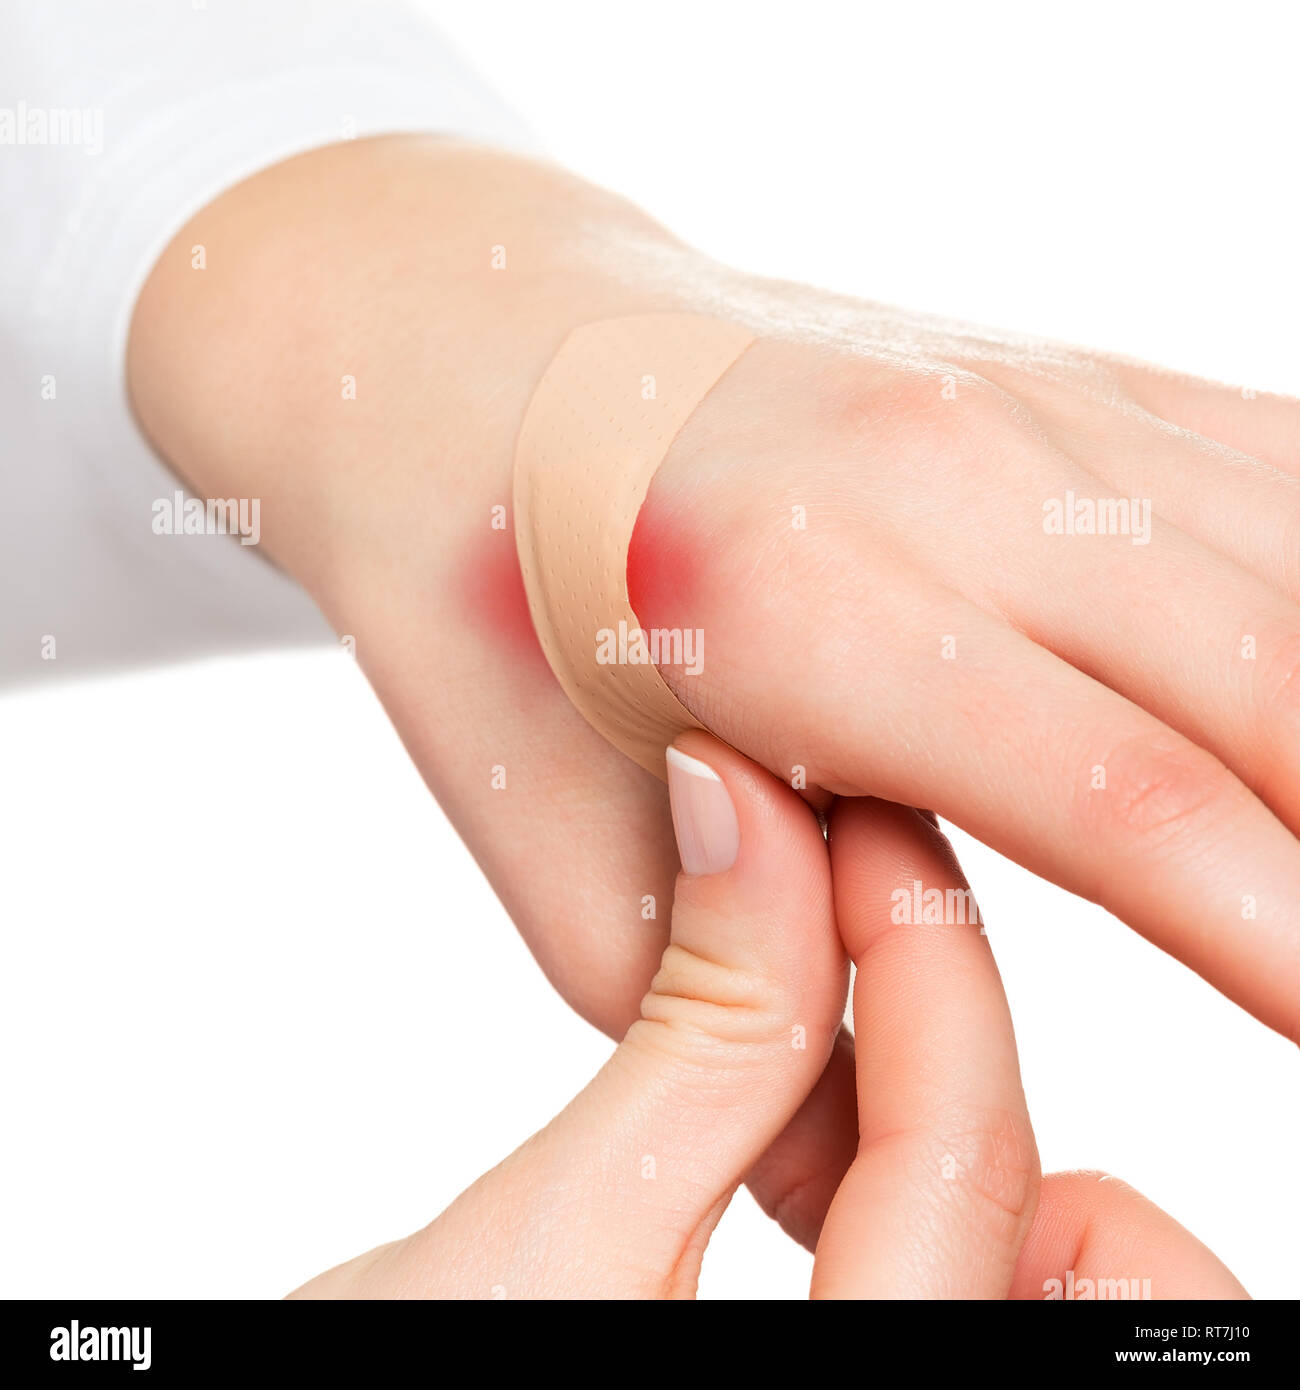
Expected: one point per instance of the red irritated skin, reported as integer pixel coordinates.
(672, 584)
(663, 569)
(492, 590)
(664, 566)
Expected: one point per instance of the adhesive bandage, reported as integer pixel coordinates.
(600, 423)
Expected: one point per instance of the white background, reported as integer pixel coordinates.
(258, 1010)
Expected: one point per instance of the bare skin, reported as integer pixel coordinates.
(1084, 704)
(618, 1196)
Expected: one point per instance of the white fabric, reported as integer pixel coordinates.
(117, 123)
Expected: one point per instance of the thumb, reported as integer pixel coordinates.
(616, 1198)
(738, 1023)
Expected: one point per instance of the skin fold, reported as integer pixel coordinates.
(1121, 718)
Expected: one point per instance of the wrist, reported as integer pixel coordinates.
(380, 312)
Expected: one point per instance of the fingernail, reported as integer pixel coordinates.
(704, 820)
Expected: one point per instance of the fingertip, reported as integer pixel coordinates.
(704, 815)
(876, 848)
(755, 888)
(771, 818)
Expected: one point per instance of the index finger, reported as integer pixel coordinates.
(939, 1199)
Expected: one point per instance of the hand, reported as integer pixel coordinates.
(944, 1198)
(864, 528)
(923, 455)
(618, 1196)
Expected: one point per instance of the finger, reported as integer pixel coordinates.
(1209, 649)
(940, 1196)
(795, 1181)
(1094, 1237)
(1244, 508)
(1001, 737)
(1209, 646)
(617, 1196)
(1260, 423)
(1093, 792)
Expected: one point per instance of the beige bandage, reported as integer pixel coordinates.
(602, 419)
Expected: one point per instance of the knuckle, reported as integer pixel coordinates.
(985, 1159)
(997, 1161)
(862, 403)
(1156, 790)
(951, 406)
(944, 435)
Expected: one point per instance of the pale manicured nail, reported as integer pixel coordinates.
(704, 820)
